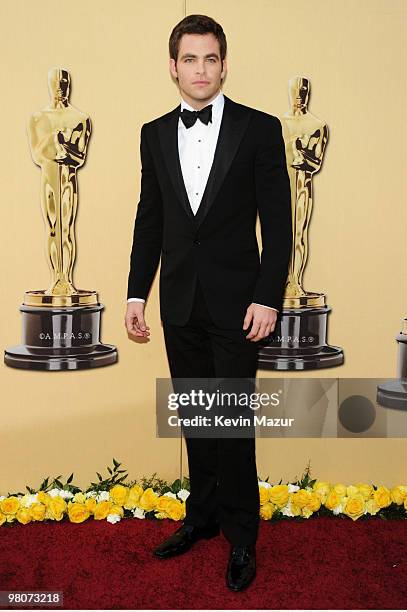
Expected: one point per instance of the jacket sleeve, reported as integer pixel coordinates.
(274, 206)
(148, 227)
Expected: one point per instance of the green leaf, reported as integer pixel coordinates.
(176, 486)
(99, 476)
(70, 479)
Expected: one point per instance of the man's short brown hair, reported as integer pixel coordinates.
(197, 24)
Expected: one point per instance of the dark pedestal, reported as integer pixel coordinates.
(393, 393)
(299, 342)
(60, 339)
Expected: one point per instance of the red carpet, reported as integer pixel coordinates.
(319, 563)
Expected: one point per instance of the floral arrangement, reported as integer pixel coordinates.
(112, 499)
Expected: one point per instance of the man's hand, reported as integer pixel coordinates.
(264, 321)
(134, 321)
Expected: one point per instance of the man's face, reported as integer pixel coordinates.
(198, 68)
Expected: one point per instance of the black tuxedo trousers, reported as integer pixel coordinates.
(222, 471)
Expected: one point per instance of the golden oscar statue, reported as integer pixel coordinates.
(393, 393)
(61, 323)
(299, 339)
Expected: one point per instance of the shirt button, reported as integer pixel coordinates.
(196, 194)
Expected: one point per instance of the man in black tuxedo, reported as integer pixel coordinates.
(208, 167)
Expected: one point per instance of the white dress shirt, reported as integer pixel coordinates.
(196, 149)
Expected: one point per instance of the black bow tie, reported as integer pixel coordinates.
(189, 117)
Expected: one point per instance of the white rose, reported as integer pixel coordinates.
(65, 494)
(286, 511)
(138, 513)
(264, 484)
(183, 494)
(113, 518)
(293, 488)
(169, 494)
(55, 492)
(28, 500)
(91, 494)
(103, 496)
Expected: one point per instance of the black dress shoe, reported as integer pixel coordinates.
(182, 540)
(241, 567)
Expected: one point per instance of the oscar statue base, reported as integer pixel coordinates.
(298, 342)
(78, 298)
(393, 394)
(60, 339)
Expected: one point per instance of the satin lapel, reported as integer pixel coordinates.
(233, 125)
(168, 135)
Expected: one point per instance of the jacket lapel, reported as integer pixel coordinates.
(233, 125)
(168, 135)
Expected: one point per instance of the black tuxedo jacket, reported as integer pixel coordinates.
(218, 245)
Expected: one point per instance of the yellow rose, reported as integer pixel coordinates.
(322, 489)
(148, 500)
(133, 498)
(57, 508)
(382, 497)
(296, 510)
(306, 512)
(332, 500)
(264, 494)
(2, 518)
(79, 498)
(90, 504)
(398, 494)
(117, 510)
(340, 489)
(43, 498)
(23, 516)
(355, 506)
(102, 509)
(351, 490)
(119, 494)
(266, 511)
(372, 507)
(365, 489)
(301, 498)
(10, 505)
(176, 510)
(78, 513)
(278, 495)
(315, 502)
(163, 502)
(37, 512)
